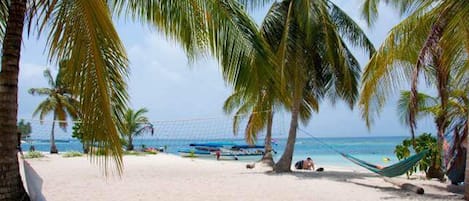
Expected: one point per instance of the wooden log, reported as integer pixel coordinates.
(405, 186)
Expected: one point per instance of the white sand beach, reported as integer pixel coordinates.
(168, 177)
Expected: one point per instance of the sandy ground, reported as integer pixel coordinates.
(168, 177)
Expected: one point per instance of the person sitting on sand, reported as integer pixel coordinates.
(307, 164)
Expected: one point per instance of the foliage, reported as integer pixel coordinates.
(309, 41)
(423, 142)
(77, 132)
(82, 32)
(135, 124)
(72, 154)
(100, 152)
(431, 42)
(59, 99)
(33, 154)
(25, 129)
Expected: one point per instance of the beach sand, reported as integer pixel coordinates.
(169, 177)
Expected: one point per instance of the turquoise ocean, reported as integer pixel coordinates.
(371, 149)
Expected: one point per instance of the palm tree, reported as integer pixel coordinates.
(261, 109)
(308, 40)
(432, 40)
(135, 124)
(59, 101)
(82, 32)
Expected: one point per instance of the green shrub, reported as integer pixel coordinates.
(423, 142)
(33, 154)
(72, 154)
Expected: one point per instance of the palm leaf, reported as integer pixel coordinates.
(4, 4)
(219, 27)
(40, 91)
(391, 66)
(82, 31)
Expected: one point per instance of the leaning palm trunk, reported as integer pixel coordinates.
(11, 185)
(268, 158)
(283, 165)
(432, 49)
(53, 147)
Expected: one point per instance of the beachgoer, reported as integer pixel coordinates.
(307, 164)
(218, 153)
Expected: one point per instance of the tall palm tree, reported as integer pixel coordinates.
(135, 124)
(308, 40)
(59, 101)
(82, 31)
(432, 41)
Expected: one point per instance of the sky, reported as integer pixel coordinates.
(163, 81)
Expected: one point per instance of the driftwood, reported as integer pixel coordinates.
(405, 186)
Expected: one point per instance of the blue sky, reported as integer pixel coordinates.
(164, 82)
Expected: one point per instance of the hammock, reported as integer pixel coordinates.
(390, 171)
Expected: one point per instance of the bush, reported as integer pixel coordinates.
(33, 154)
(72, 154)
(430, 163)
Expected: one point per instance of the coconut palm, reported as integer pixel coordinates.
(308, 40)
(135, 124)
(261, 109)
(82, 31)
(59, 102)
(432, 41)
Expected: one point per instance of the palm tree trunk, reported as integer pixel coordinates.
(53, 147)
(283, 165)
(267, 158)
(466, 172)
(131, 145)
(11, 185)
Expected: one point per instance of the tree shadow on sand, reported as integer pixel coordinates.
(360, 178)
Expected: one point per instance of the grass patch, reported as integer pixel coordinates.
(72, 154)
(33, 154)
(133, 153)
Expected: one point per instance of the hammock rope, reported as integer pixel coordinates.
(394, 170)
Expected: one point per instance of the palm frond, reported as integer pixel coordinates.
(370, 11)
(4, 4)
(50, 80)
(255, 4)
(40, 91)
(405, 7)
(391, 66)
(44, 108)
(82, 31)
(426, 104)
(350, 30)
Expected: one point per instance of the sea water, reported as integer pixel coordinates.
(323, 151)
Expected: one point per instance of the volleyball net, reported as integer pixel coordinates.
(168, 134)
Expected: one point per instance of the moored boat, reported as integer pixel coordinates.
(226, 151)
